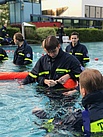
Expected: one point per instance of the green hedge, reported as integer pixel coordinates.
(12, 30)
(87, 35)
(36, 35)
(33, 35)
(43, 32)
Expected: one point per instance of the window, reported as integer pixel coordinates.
(102, 13)
(86, 11)
(76, 23)
(91, 24)
(97, 12)
(92, 12)
(67, 23)
(83, 23)
(34, 1)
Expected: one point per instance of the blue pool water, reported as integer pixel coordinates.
(16, 104)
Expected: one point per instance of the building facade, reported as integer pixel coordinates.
(77, 8)
(78, 13)
(20, 10)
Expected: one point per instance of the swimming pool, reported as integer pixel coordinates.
(16, 104)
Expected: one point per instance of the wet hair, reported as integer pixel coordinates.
(91, 80)
(50, 43)
(19, 37)
(75, 33)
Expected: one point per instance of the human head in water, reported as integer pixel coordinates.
(74, 38)
(18, 38)
(90, 80)
(51, 46)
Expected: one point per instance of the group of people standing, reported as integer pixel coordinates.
(58, 67)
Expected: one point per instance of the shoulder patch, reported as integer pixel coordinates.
(28, 55)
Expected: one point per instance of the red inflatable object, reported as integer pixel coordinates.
(70, 84)
(96, 59)
(13, 75)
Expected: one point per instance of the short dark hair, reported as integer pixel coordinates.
(19, 36)
(50, 43)
(75, 33)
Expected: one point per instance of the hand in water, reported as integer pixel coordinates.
(50, 83)
(70, 93)
(20, 84)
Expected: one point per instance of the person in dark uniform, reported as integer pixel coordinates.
(4, 36)
(77, 49)
(3, 55)
(55, 67)
(90, 120)
(23, 55)
(60, 33)
(4, 31)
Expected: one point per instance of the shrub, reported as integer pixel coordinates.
(12, 30)
(87, 34)
(37, 35)
(29, 32)
(43, 32)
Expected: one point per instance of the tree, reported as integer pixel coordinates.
(4, 13)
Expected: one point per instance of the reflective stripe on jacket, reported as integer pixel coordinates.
(94, 103)
(53, 68)
(3, 55)
(80, 52)
(23, 55)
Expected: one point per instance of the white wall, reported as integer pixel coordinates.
(76, 8)
(47, 4)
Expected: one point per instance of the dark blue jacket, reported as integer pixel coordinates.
(3, 32)
(80, 52)
(3, 55)
(53, 68)
(23, 55)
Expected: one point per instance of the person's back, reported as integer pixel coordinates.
(23, 55)
(77, 49)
